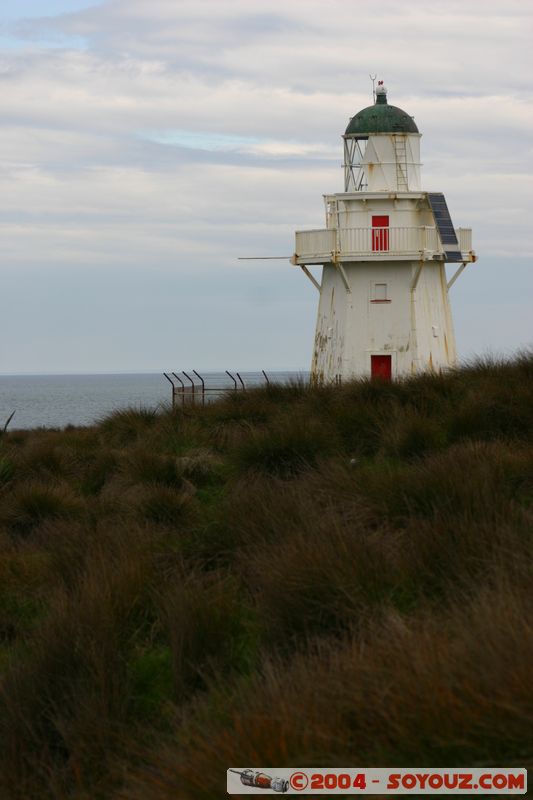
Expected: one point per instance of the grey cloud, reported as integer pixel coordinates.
(84, 192)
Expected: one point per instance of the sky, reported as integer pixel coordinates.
(146, 144)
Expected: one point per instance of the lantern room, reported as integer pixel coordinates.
(381, 149)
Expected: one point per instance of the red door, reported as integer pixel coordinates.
(381, 367)
(380, 233)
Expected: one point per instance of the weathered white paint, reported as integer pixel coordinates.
(413, 325)
(375, 302)
(383, 162)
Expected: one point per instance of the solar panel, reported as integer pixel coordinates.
(444, 224)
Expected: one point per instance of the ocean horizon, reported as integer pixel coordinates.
(81, 399)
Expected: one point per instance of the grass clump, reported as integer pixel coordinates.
(210, 628)
(285, 448)
(32, 503)
(128, 424)
(147, 467)
(174, 586)
(7, 470)
(150, 676)
(96, 471)
(162, 505)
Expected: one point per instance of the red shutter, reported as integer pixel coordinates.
(380, 236)
(381, 367)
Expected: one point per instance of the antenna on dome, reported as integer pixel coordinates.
(373, 79)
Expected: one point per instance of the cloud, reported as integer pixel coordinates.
(179, 136)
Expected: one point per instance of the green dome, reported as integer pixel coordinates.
(380, 118)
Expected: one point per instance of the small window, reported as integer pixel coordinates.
(380, 293)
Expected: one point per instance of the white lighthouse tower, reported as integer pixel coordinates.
(384, 309)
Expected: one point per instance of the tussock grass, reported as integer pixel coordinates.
(320, 575)
(144, 466)
(96, 471)
(210, 629)
(288, 446)
(322, 578)
(400, 691)
(44, 458)
(201, 466)
(31, 503)
(126, 425)
(7, 470)
(160, 504)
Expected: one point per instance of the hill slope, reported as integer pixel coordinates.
(290, 576)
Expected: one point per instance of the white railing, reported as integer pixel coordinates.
(464, 236)
(430, 240)
(374, 242)
(394, 241)
(320, 242)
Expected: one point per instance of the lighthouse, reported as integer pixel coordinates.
(384, 308)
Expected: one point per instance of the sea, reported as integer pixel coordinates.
(55, 401)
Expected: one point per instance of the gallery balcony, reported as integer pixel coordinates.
(330, 245)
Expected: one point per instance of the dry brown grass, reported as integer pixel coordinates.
(399, 691)
(293, 575)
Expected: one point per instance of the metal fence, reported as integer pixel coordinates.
(195, 389)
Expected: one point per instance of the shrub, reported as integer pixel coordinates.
(321, 579)
(62, 705)
(17, 438)
(96, 471)
(66, 544)
(470, 481)
(444, 556)
(18, 613)
(175, 431)
(250, 408)
(126, 425)
(434, 689)
(252, 510)
(409, 435)
(230, 434)
(32, 503)
(372, 540)
(200, 466)
(7, 470)
(163, 505)
(210, 630)
(429, 393)
(287, 447)
(504, 413)
(144, 466)
(359, 425)
(150, 678)
(44, 458)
